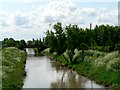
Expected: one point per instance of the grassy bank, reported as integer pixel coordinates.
(0, 68)
(101, 67)
(13, 62)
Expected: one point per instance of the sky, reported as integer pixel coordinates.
(27, 19)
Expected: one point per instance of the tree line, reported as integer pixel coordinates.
(103, 38)
(22, 44)
(70, 37)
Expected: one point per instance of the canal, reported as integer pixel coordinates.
(44, 73)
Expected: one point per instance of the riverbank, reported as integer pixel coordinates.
(101, 67)
(13, 64)
(37, 53)
(0, 68)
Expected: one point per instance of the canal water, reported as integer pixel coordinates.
(44, 73)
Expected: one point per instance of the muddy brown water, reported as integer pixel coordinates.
(44, 73)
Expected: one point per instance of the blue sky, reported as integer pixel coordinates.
(27, 19)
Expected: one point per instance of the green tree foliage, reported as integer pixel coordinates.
(72, 34)
(29, 42)
(57, 40)
(8, 42)
(117, 47)
(39, 44)
(102, 37)
(21, 45)
(70, 37)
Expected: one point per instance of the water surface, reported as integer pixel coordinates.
(44, 73)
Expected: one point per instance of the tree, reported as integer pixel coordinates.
(9, 42)
(60, 37)
(51, 41)
(57, 40)
(22, 43)
(102, 37)
(72, 39)
(29, 42)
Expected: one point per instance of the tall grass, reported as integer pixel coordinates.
(13, 61)
(110, 61)
(0, 69)
(99, 66)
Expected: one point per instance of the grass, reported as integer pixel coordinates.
(101, 67)
(0, 68)
(13, 72)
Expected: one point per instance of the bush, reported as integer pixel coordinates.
(99, 48)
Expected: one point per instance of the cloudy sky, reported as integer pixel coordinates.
(27, 19)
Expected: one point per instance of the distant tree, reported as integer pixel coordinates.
(29, 42)
(9, 42)
(22, 43)
(4, 42)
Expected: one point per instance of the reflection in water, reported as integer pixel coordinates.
(70, 79)
(44, 73)
(67, 80)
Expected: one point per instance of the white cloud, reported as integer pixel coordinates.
(27, 1)
(110, 17)
(36, 22)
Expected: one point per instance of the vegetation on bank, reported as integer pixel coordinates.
(103, 38)
(13, 63)
(0, 68)
(94, 53)
(99, 66)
